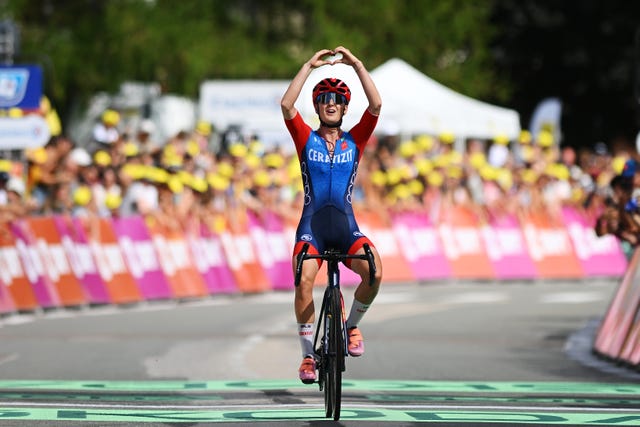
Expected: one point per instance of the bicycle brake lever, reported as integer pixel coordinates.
(301, 255)
(372, 263)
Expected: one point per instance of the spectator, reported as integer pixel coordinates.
(105, 185)
(105, 133)
(83, 202)
(141, 196)
(145, 137)
(59, 200)
(4, 178)
(14, 206)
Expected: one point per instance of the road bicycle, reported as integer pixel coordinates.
(330, 337)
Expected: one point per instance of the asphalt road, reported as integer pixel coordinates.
(451, 354)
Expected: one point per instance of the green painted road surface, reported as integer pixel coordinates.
(446, 354)
(287, 402)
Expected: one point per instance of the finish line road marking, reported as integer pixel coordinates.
(485, 387)
(297, 406)
(453, 402)
(348, 413)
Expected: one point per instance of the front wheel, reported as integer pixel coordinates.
(335, 356)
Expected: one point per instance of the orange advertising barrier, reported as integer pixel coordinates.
(463, 244)
(56, 263)
(120, 284)
(176, 261)
(550, 246)
(241, 255)
(12, 273)
(6, 302)
(395, 267)
(136, 261)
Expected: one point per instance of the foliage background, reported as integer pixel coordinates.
(511, 53)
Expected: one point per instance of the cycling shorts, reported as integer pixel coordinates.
(329, 228)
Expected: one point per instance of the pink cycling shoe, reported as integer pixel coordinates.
(307, 370)
(356, 343)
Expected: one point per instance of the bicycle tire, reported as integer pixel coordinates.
(325, 358)
(336, 356)
(327, 362)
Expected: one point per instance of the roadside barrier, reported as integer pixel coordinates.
(618, 338)
(61, 261)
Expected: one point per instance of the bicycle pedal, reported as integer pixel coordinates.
(308, 381)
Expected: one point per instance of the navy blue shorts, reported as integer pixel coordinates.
(329, 228)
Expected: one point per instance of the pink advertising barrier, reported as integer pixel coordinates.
(17, 291)
(176, 260)
(6, 302)
(507, 248)
(35, 269)
(141, 257)
(270, 240)
(211, 262)
(117, 260)
(599, 256)
(109, 259)
(421, 246)
(81, 259)
(54, 257)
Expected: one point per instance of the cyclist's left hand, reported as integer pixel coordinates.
(348, 58)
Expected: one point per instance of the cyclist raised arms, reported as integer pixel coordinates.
(329, 159)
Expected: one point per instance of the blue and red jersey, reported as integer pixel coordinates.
(327, 216)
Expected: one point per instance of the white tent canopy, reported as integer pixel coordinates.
(412, 103)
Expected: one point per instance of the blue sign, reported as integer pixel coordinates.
(20, 86)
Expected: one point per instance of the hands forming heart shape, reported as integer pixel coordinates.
(333, 58)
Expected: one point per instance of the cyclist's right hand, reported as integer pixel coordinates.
(317, 61)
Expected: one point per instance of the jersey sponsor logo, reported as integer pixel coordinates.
(320, 157)
(306, 237)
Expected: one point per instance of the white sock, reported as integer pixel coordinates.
(358, 310)
(305, 333)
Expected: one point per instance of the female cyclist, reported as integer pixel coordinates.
(329, 160)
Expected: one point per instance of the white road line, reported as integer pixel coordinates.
(8, 358)
(572, 297)
(237, 358)
(240, 360)
(476, 298)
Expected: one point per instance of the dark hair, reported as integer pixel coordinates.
(621, 182)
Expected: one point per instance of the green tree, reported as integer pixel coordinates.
(90, 46)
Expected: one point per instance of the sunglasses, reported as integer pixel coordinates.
(325, 98)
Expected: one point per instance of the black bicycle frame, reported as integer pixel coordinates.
(333, 258)
(333, 350)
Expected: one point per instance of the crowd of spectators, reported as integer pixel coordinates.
(181, 180)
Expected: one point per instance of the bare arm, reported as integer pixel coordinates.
(370, 90)
(295, 87)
